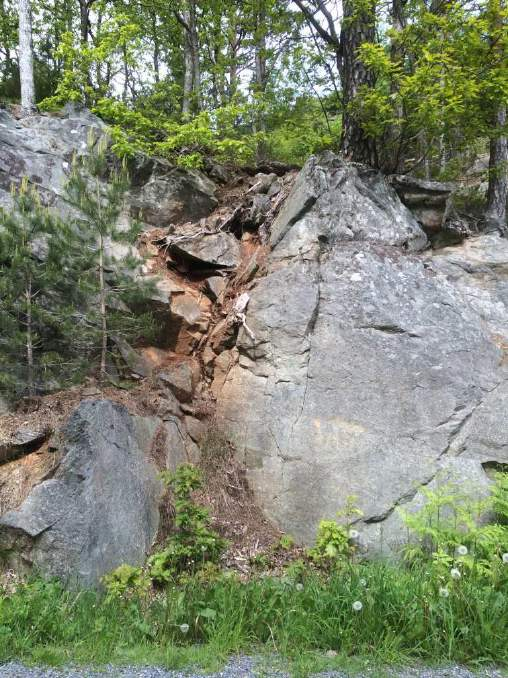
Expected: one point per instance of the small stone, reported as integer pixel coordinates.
(260, 207)
(197, 429)
(216, 286)
(180, 380)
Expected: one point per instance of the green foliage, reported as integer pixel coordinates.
(78, 60)
(126, 580)
(40, 298)
(451, 530)
(286, 542)
(403, 616)
(500, 499)
(194, 543)
(334, 543)
(97, 187)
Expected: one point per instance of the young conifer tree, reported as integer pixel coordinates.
(38, 295)
(110, 270)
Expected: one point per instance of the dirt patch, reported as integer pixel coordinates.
(19, 477)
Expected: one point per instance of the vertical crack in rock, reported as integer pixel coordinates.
(309, 331)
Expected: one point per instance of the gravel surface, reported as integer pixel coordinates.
(239, 667)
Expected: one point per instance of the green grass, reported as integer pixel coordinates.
(403, 620)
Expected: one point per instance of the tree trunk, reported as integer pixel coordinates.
(495, 214)
(156, 48)
(102, 311)
(192, 73)
(393, 144)
(358, 26)
(196, 67)
(84, 20)
(29, 341)
(125, 74)
(26, 66)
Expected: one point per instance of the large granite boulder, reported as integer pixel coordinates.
(99, 510)
(372, 371)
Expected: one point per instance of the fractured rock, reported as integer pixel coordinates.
(221, 250)
(99, 510)
(172, 194)
(429, 201)
(181, 379)
(216, 285)
(26, 439)
(369, 368)
(331, 199)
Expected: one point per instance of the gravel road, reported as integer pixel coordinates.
(239, 667)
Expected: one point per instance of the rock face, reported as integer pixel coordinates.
(428, 200)
(41, 147)
(99, 510)
(374, 369)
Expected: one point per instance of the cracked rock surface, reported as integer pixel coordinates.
(99, 510)
(375, 368)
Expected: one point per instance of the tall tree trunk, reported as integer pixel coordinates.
(156, 48)
(126, 74)
(84, 20)
(29, 341)
(26, 65)
(358, 26)
(196, 67)
(393, 155)
(497, 194)
(192, 71)
(102, 311)
(187, 70)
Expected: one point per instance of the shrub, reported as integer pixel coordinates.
(336, 542)
(451, 529)
(126, 581)
(194, 543)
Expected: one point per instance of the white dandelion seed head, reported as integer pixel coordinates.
(443, 592)
(357, 606)
(184, 628)
(455, 573)
(462, 550)
(505, 558)
(363, 582)
(299, 587)
(354, 534)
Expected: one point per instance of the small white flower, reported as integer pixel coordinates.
(363, 582)
(354, 534)
(299, 587)
(461, 550)
(357, 606)
(505, 558)
(443, 592)
(455, 573)
(184, 628)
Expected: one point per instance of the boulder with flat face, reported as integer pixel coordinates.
(216, 250)
(369, 363)
(100, 508)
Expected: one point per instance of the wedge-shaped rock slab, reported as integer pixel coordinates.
(98, 511)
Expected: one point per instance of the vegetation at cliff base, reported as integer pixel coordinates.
(447, 601)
